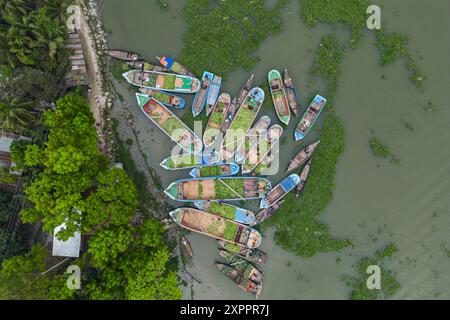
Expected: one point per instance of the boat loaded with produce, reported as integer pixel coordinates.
(217, 119)
(167, 99)
(200, 97)
(267, 166)
(226, 210)
(174, 66)
(215, 170)
(223, 188)
(280, 191)
(146, 66)
(252, 138)
(241, 281)
(216, 227)
(242, 122)
(291, 93)
(243, 266)
(169, 123)
(213, 93)
(162, 81)
(309, 117)
(303, 156)
(279, 98)
(188, 161)
(253, 255)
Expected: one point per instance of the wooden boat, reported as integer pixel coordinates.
(253, 255)
(215, 170)
(145, 66)
(241, 281)
(265, 166)
(226, 210)
(169, 123)
(303, 177)
(291, 93)
(309, 117)
(243, 266)
(162, 81)
(279, 98)
(260, 152)
(280, 191)
(167, 99)
(229, 117)
(187, 246)
(188, 161)
(217, 119)
(245, 90)
(242, 122)
(216, 227)
(266, 213)
(225, 188)
(174, 66)
(252, 138)
(303, 156)
(123, 55)
(213, 93)
(200, 97)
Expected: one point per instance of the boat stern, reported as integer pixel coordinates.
(128, 76)
(142, 99)
(285, 119)
(177, 215)
(264, 204)
(234, 168)
(298, 135)
(199, 204)
(194, 173)
(254, 239)
(172, 191)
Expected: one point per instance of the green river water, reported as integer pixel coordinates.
(375, 201)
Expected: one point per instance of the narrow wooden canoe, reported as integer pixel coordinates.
(303, 177)
(216, 227)
(253, 255)
(240, 280)
(242, 122)
(213, 93)
(245, 90)
(252, 138)
(266, 213)
(262, 150)
(189, 161)
(167, 99)
(231, 113)
(215, 188)
(280, 191)
(291, 93)
(226, 210)
(279, 98)
(162, 81)
(123, 55)
(303, 156)
(243, 266)
(215, 170)
(187, 246)
(309, 117)
(267, 166)
(145, 66)
(174, 66)
(200, 97)
(217, 120)
(169, 123)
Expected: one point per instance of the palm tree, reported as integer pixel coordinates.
(16, 113)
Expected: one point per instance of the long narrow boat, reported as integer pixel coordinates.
(262, 150)
(200, 97)
(188, 161)
(241, 281)
(245, 90)
(309, 117)
(279, 98)
(226, 210)
(266, 213)
(123, 55)
(162, 81)
(291, 93)
(253, 255)
(231, 113)
(146, 66)
(277, 193)
(174, 66)
(169, 123)
(246, 268)
(303, 156)
(216, 227)
(303, 177)
(187, 246)
(226, 188)
(242, 122)
(167, 99)
(267, 166)
(215, 170)
(213, 93)
(252, 138)
(217, 119)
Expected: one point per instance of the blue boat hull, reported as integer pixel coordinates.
(288, 184)
(197, 95)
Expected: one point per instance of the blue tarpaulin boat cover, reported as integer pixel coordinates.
(288, 184)
(169, 62)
